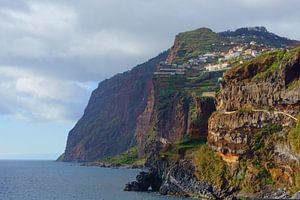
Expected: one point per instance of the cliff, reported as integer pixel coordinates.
(252, 147)
(108, 125)
(258, 112)
(244, 142)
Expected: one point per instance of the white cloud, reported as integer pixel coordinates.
(51, 49)
(259, 3)
(41, 19)
(106, 42)
(30, 96)
(24, 47)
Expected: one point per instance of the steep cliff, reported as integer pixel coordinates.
(258, 105)
(108, 125)
(243, 143)
(252, 144)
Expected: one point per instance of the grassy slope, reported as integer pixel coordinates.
(197, 42)
(129, 157)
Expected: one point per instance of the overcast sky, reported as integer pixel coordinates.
(53, 53)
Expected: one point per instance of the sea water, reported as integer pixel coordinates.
(49, 180)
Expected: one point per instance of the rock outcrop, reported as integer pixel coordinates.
(262, 83)
(258, 105)
(142, 183)
(252, 97)
(180, 180)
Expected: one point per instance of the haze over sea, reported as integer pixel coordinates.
(49, 180)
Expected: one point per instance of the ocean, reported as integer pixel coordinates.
(49, 180)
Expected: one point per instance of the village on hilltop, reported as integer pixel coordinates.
(215, 61)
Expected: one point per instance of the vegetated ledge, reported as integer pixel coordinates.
(261, 67)
(127, 159)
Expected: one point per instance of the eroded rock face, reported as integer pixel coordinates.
(233, 133)
(144, 180)
(255, 86)
(172, 124)
(257, 106)
(144, 122)
(198, 127)
(108, 125)
(251, 99)
(181, 181)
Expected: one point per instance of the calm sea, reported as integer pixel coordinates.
(48, 180)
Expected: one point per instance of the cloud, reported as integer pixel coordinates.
(259, 3)
(53, 50)
(30, 96)
(40, 19)
(106, 42)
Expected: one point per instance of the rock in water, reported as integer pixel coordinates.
(144, 180)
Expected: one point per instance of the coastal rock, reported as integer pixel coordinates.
(181, 181)
(296, 195)
(144, 180)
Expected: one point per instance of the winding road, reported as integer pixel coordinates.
(261, 110)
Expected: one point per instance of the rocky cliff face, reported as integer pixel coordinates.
(262, 83)
(251, 147)
(258, 105)
(109, 123)
(255, 95)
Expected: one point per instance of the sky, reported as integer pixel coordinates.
(53, 54)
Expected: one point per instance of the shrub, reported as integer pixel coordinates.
(210, 168)
(129, 157)
(294, 137)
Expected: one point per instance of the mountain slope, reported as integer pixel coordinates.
(259, 35)
(108, 125)
(252, 147)
(130, 108)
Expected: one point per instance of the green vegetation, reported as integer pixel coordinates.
(294, 137)
(129, 157)
(262, 66)
(291, 53)
(261, 136)
(294, 84)
(189, 143)
(178, 149)
(262, 179)
(258, 161)
(168, 87)
(61, 157)
(245, 110)
(210, 167)
(194, 43)
(203, 82)
(272, 67)
(296, 181)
